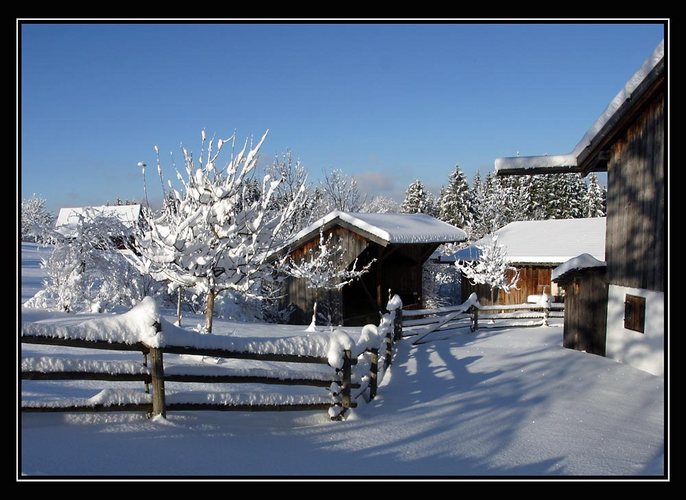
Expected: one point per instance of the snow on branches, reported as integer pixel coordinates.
(219, 230)
(324, 268)
(491, 268)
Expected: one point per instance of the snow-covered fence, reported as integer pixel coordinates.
(142, 329)
(471, 312)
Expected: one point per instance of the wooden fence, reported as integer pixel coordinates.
(473, 315)
(373, 359)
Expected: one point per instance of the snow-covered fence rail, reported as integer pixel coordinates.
(141, 329)
(469, 313)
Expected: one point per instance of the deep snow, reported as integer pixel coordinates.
(498, 402)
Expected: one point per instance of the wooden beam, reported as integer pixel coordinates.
(147, 407)
(87, 344)
(246, 407)
(113, 377)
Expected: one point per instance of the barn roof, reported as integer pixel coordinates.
(386, 229)
(68, 217)
(574, 161)
(551, 241)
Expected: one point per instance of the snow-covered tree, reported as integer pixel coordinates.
(325, 268)
(222, 233)
(491, 268)
(594, 200)
(381, 205)
(36, 221)
(454, 200)
(417, 200)
(87, 272)
(339, 191)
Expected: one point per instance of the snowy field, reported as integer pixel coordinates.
(499, 402)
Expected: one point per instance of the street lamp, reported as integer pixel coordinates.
(142, 165)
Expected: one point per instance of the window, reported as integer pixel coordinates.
(634, 313)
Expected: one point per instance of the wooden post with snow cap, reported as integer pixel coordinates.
(373, 373)
(398, 325)
(346, 400)
(475, 318)
(157, 378)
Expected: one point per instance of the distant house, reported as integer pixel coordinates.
(628, 141)
(400, 243)
(127, 215)
(535, 248)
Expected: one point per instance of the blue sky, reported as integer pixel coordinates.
(387, 103)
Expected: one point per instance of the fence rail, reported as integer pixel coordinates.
(471, 312)
(339, 385)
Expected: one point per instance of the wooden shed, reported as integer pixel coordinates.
(535, 248)
(584, 280)
(399, 244)
(629, 142)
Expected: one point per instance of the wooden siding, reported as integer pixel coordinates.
(533, 280)
(635, 239)
(585, 310)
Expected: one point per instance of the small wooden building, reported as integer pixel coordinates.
(535, 248)
(584, 280)
(629, 142)
(399, 244)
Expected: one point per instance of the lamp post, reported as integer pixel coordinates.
(142, 165)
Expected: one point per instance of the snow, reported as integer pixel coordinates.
(391, 228)
(551, 241)
(570, 160)
(583, 261)
(497, 402)
(395, 303)
(69, 217)
(508, 402)
(32, 274)
(51, 364)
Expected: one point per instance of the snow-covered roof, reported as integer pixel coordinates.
(68, 217)
(583, 261)
(388, 228)
(551, 241)
(568, 162)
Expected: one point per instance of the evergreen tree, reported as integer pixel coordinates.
(594, 199)
(454, 200)
(417, 199)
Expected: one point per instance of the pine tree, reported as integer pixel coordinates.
(594, 199)
(417, 199)
(454, 200)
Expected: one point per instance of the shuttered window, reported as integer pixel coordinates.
(634, 313)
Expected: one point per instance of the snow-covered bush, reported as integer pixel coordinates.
(492, 268)
(36, 221)
(440, 285)
(221, 230)
(87, 272)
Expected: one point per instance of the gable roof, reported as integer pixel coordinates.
(626, 99)
(386, 228)
(67, 218)
(551, 241)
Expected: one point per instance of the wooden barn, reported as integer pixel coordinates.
(399, 244)
(628, 141)
(535, 248)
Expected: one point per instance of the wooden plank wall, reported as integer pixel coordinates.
(586, 311)
(533, 280)
(635, 239)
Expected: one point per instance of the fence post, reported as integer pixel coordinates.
(347, 376)
(398, 325)
(475, 319)
(145, 363)
(546, 312)
(157, 376)
(374, 373)
(389, 350)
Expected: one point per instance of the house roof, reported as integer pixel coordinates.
(551, 241)
(583, 261)
(68, 217)
(626, 99)
(386, 228)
